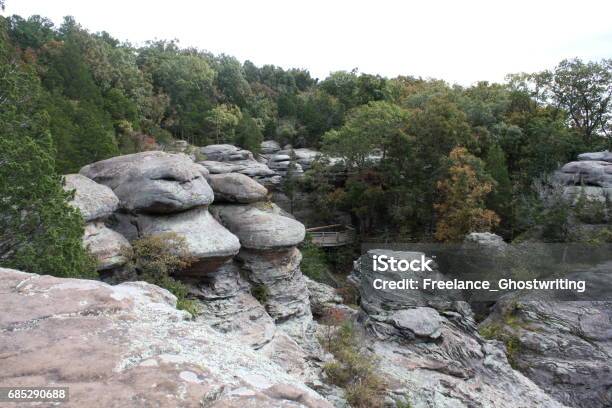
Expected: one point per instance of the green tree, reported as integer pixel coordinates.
(248, 134)
(39, 231)
(501, 199)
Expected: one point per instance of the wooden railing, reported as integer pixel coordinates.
(323, 237)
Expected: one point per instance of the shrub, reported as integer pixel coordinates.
(260, 292)
(354, 369)
(154, 258)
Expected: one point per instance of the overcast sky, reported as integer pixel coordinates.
(459, 41)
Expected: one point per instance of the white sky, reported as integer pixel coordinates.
(460, 41)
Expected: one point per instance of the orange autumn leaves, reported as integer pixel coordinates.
(461, 208)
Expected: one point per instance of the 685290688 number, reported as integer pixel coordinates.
(33, 394)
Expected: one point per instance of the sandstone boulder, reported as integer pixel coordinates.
(596, 156)
(225, 153)
(153, 182)
(207, 240)
(95, 201)
(259, 229)
(127, 345)
(236, 188)
(269, 147)
(594, 173)
(105, 245)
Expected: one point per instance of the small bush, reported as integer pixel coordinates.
(154, 258)
(260, 292)
(354, 369)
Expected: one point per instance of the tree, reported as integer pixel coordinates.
(248, 134)
(223, 120)
(39, 231)
(500, 199)
(461, 208)
(584, 90)
(368, 127)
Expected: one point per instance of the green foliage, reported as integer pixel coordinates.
(248, 135)
(155, 258)
(39, 231)
(314, 261)
(354, 369)
(260, 292)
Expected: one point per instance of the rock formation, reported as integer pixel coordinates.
(564, 347)
(127, 345)
(590, 175)
(225, 158)
(162, 192)
(96, 203)
(430, 352)
(152, 182)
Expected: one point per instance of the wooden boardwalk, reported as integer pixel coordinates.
(332, 235)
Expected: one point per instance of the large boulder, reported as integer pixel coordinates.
(106, 245)
(207, 241)
(596, 156)
(269, 147)
(236, 188)
(153, 182)
(225, 152)
(259, 229)
(593, 173)
(95, 201)
(127, 345)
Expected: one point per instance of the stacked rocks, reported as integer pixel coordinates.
(591, 175)
(97, 203)
(272, 262)
(160, 192)
(225, 158)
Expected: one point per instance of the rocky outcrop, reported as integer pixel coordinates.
(127, 345)
(429, 350)
(271, 261)
(236, 188)
(269, 147)
(587, 172)
(260, 229)
(596, 156)
(161, 192)
(564, 347)
(152, 182)
(225, 153)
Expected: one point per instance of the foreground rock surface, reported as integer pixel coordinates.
(126, 345)
(153, 182)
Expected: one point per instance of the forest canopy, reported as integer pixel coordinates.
(76, 97)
